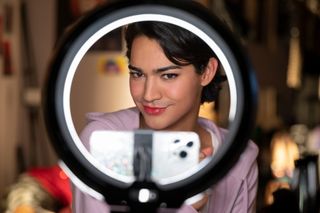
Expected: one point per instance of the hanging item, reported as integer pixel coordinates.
(7, 66)
(284, 151)
(113, 65)
(295, 60)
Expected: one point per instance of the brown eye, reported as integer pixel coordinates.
(169, 76)
(135, 74)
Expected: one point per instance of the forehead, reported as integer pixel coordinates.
(145, 51)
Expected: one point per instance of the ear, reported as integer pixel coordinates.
(209, 72)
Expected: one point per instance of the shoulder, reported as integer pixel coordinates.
(237, 189)
(246, 163)
(125, 119)
(247, 157)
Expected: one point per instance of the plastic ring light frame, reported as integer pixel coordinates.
(77, 160)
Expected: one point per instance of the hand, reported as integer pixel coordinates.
(205, 152)
(201, 203)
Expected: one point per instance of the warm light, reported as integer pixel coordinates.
(284, 151)
(207, 111)
(273, 186)
(295, 60)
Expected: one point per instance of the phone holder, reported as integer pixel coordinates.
(142, 158)
(144, 194)
(305, 183)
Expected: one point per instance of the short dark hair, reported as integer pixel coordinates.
(181, 47)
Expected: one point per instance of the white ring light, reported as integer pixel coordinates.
(120, 23)
(76, 158)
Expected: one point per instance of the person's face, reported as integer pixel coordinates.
(167, 95)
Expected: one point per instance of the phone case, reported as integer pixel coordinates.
(173, 153)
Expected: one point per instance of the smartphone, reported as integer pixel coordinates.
(113, 150)
(173, 152)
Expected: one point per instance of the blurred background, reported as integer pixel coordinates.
(281, 37)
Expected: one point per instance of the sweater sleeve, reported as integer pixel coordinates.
(252, 180)
(246, 199)
(83, 203)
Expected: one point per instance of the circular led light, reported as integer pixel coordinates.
(75, 44)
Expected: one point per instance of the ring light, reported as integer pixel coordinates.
(104, 184)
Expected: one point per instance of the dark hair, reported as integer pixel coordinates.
(181, 47)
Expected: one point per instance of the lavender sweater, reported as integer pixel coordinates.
(236, 192)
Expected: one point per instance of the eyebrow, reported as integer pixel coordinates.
(161, 69)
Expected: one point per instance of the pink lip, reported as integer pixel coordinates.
(154, 110)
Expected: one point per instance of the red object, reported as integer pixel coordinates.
(1, 33)
(7, 58)
(55, 181)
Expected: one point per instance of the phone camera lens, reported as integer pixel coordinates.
(183, 154)
(190, 144)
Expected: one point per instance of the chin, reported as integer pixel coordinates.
(156, 125)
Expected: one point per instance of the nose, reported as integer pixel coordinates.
(151, 90)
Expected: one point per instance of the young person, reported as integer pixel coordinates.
(172, 72)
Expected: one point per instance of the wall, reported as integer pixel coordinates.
(95, 91)
(9, 99)
(42, 29)
(14, 115)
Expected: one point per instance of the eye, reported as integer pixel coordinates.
(135, 74)
(168, 76)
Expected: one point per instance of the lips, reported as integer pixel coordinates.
(153, 110)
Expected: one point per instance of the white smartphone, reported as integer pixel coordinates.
(113, 150)
(173, 152)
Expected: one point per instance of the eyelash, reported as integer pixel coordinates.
(135, 74)
(166, 76)
(169, 76)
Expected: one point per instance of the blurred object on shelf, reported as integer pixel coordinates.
(313, 141)
(319, 87)
(284, 151)
(207, 111)
(273, 186)
(268, 117)
(305, 183)
(41, 190)
(299, 134)
(295, 60)
(313, 6)
(284, 201)
(307, 104)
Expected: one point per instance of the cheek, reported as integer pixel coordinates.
(175, 92)
(135, 89)
(185, 90)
